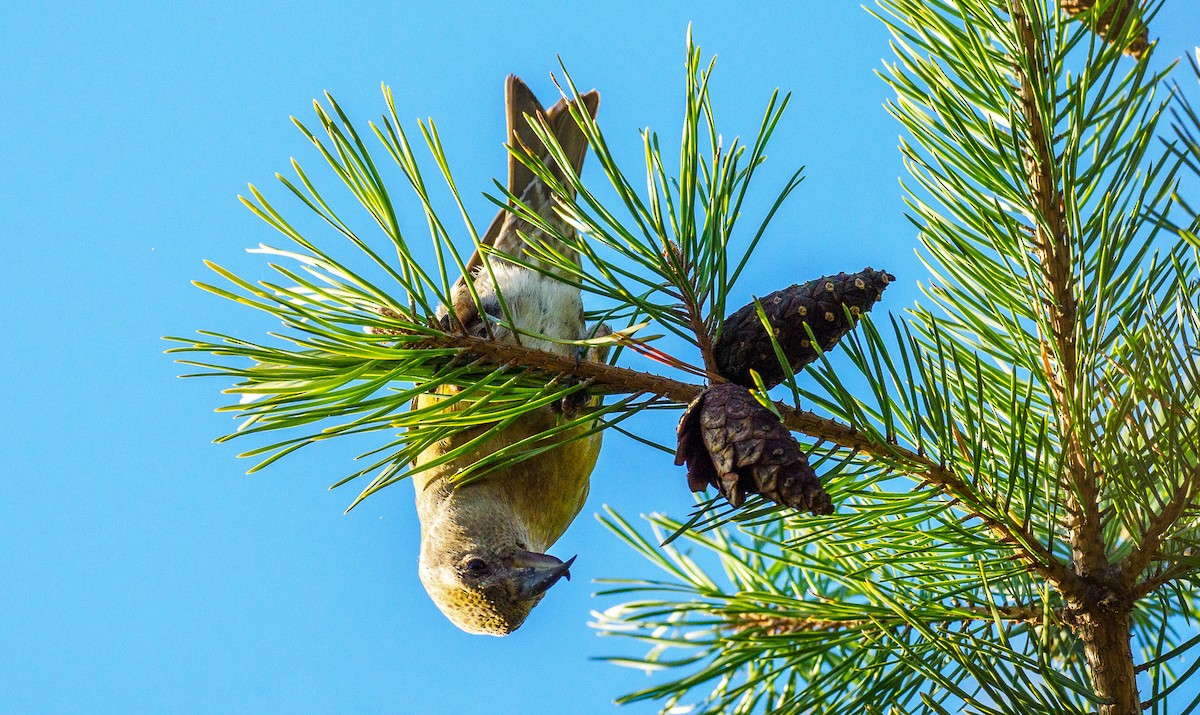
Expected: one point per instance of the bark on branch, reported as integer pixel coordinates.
(1052, 245)
(1100, 612)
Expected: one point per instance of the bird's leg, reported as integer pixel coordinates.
(572, 404)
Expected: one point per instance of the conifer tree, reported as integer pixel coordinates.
(1010, 465)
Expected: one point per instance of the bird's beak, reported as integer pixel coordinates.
(535, 573)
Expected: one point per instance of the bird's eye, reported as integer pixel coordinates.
(476, 567)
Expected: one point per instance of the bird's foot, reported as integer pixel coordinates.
(390, 314)
(572, 405)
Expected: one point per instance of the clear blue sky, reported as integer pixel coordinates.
(140, 569)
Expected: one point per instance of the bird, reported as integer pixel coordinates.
(483, 557)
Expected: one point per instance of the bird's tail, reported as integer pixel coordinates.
(520, 102)
(507, 233)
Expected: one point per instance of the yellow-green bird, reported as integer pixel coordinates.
(483, 544)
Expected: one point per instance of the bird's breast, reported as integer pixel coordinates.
(543, 493)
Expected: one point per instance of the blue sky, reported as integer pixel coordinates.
(143, 571)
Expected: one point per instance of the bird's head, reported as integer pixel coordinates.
(484, 586)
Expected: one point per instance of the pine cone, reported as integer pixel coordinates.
(744, 344)
(1112, 20)
(732, 442)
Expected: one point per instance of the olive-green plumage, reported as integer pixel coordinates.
(483, 544)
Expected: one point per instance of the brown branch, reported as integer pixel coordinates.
(1152, 584)
(1059, 350)
(605, 378)
(1008, 531)
(1164, 577)
(1147, 549)
(611, 379)
(691, 306)
(1112, 21)
(787, 625)
(602, 377)
(1100, 612)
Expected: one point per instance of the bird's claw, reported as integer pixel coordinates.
(571, 405)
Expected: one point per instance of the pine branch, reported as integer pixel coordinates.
(772, 625)
(1008, 529)
(1052, 243)
(695, 315)
(1159, 524)
(611, 379)
(1167, 575)
(1151, 540)
(1037, 176)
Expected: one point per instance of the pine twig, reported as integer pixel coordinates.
(1153, 583)
(1147, 548)
(773, 625)
(1059, 350)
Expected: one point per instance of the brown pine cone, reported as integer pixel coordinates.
(744, 344)
(732, 442)
(1112, 20)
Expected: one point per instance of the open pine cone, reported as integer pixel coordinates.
(732, 442)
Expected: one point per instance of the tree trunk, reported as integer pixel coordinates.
(1105, 631)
